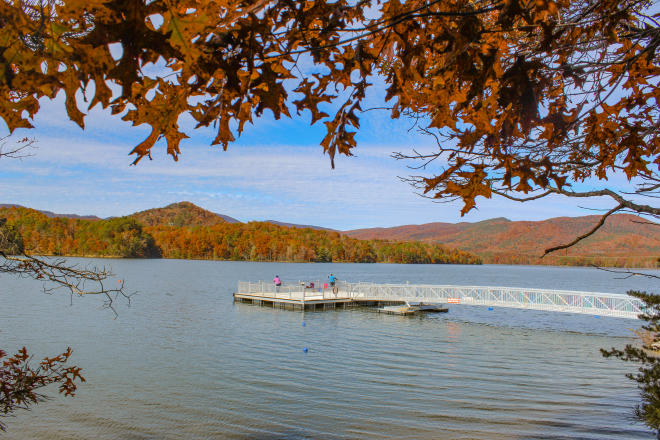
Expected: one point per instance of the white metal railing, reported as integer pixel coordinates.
(605, 304)
(299, 291)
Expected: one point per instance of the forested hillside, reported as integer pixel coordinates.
(187, 231)
(184, 230)
(115, 237)
(261, 241)
(179, 214)
(624, 240)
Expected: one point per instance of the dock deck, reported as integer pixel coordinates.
(408, 309)
(297, 297)
(295, 302)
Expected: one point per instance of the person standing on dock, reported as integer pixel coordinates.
(278, 282)
(333, 280)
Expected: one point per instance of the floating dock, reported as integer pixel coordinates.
(300, 296)
(413, 309)
(313, 295)
(305, 302)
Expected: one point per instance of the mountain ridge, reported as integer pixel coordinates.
(295, 225)
(181, 214)
(501, 240)
(186, 231)
(620, 242)
(50, 213)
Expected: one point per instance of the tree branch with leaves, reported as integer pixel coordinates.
(548, 100)
(525, 98)
(20, 381)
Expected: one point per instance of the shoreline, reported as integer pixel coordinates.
(588, 265)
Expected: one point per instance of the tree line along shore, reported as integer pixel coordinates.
(186, 231)
(127, 237)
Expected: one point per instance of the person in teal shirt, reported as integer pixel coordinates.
(333, 281)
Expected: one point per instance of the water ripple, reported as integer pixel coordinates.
(186, 362)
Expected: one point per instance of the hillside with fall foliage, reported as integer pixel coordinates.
(186, 231)
(624, 240)
(178, 215)
(114, 237)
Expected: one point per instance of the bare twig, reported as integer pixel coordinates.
(521, 199)
(624, 203)
(18, 150)
(628, 273)
(645, 222)
(59, 275)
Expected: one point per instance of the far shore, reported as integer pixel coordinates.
(588, 262)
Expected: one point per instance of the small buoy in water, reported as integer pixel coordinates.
(490, 308)
(303, 324)
(305, 350)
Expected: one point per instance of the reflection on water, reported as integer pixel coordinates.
(184, 361)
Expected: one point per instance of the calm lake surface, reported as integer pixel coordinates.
(184, 361)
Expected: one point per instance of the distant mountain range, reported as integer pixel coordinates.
(185, 231)
(52, 214)
(189, 214)
(175, 214)
(294, 225)
(624, 240)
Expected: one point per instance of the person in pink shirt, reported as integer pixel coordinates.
(278, 283)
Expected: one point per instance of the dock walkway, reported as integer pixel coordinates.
(296, 296)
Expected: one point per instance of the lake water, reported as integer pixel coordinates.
(184, 361)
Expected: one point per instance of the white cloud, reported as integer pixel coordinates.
(277, 171)
(288, 183)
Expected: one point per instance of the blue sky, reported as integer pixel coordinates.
(276, 170)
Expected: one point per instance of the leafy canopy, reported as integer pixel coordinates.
(521, 95)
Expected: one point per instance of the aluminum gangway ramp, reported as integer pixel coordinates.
(592, 303)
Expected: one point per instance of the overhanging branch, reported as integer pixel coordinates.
(600, 223)
(624, 203)
(76, 280)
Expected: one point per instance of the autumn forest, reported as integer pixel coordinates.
(188, 232)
